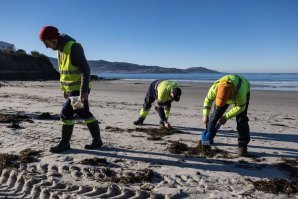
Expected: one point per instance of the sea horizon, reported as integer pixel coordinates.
(259, 81)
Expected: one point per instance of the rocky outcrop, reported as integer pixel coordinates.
(21, 66)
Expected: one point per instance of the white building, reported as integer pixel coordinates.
(6, 46)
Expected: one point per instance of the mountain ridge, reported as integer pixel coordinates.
(102, 66)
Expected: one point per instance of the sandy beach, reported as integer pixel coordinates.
(146, 161)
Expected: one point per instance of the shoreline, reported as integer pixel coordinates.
(259, 81)
(260, 87)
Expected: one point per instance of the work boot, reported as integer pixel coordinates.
(139, 122)
(161, 124)
(242, 151)
(95, 132)
(65, 139)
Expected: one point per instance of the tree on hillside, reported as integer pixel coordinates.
(35, 53)
(21, 52)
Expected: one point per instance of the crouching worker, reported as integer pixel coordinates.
(165, 92)
(74, 81)
(230, 89)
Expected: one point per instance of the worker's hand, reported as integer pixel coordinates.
(84, 97)
(65, 95)
(167, 125)
(206, 120)
(222, 121)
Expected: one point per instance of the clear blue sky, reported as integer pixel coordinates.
(224, 35)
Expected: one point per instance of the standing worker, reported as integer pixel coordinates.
(165, 91)
(230, 89)
(74, 81)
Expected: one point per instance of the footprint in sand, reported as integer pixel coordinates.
(179, 181)
(37, 181)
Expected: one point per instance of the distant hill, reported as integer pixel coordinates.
(102, 66)
(21, 66)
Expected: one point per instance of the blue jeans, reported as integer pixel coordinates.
(241, 119)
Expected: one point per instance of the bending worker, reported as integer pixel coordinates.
(164, 91)
(230, 89)
(74, 81)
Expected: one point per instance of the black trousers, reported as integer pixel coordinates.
(67, 112)
(241, 119)
(151, 95)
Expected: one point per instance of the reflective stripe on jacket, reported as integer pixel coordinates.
(70, 75)
(239, 96)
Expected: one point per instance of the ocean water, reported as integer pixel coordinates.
(259, 81)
